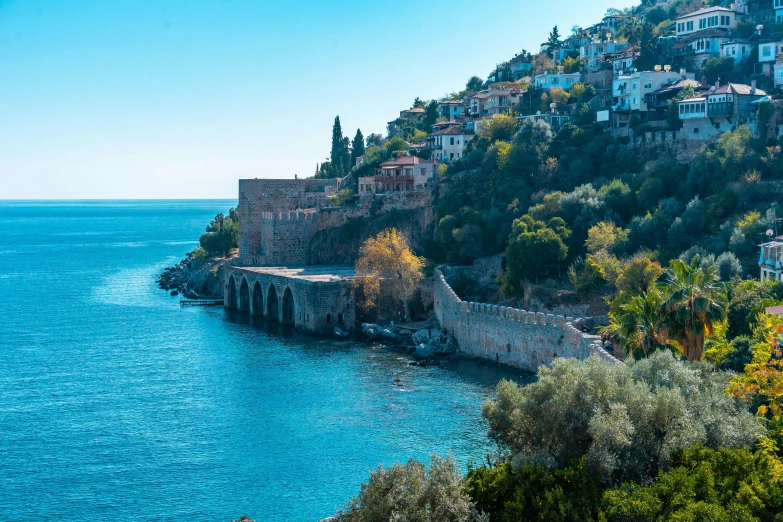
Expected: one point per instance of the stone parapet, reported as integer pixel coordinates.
(512, 336)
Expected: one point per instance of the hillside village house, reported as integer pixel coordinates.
(778, 11)
(556, 121)
(500, 101)
(738, 49)
(768, 54)
(629, 93)
(771, 261)
(520, 65)
(701, 45)
(447, 142)
(404, 174)
(451, 109)
(592, 53)
(718, 17)
(551, 80)
(408, 117)
(658, 100)
(622, 61)
(613, 22)
(778, 72)
(721, 108)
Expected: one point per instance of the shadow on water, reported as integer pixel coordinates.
(472, 370)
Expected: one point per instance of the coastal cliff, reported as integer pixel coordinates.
(196, 277)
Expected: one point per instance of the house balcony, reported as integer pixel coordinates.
(393, 179)
(720, 110)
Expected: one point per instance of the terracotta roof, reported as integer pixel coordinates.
(712, 32)
(414, 110)
(404, 161)
(450, 102)
(775, 310)
(454, 130)
(737, 88)
(704, 11)
(681, 85)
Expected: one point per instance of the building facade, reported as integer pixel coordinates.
(404, 174)
(719, 17)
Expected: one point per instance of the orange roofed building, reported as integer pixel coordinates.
(403, 174)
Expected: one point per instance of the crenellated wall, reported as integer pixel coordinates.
(509, 335)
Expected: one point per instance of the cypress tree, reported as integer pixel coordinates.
(357, 146)
(336, 156)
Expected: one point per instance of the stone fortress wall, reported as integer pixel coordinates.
(289, 222)
(509, 335)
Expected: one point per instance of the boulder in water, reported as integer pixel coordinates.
(421, 336)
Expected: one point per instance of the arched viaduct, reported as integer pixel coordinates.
(314, 299)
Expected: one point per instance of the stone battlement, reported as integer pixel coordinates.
(510, 335)
(291, 215)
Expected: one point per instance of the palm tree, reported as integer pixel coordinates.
(632, 30)
(642, 324)
(694, 304)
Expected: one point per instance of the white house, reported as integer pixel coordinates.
(552, 80)
(771, 261)
(499, 101)
(448, 143)
(451, 109)
(778, 5)
(738, 49)
(621, 61)
(706, 18)
(768, 53)
(629, 92)
(719, 109)
(404, 174)
(592, 54)
(701, 45)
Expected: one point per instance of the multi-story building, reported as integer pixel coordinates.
(592, 53)
(551, 80)
(737, 49)
(629, 93)
(404, 174)
(520, 65)
(621, 61)
(771, 260)
(721, 108)
(447, 143)
(500, 100)
(700, 45)
(778, 5)
(451, 109)
(718, 17)
(768, 54)
(408, 117)
(658, 100)
(556, 121)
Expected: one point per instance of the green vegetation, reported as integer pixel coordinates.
(222, 235)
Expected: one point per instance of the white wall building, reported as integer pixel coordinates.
(778, 5)
(552, 80)
(448, 144)
(771, 261)
(628, 91)
(738, 50)
(778, 71)
(719, 17)
(592, 54)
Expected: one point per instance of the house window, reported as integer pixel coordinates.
(452, 141)
(766, 52)
(695, 130)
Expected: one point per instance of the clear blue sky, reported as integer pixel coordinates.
(180, 98)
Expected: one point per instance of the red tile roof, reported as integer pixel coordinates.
(775, 310)
(405, 161)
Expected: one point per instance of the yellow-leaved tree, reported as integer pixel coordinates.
(388, 257)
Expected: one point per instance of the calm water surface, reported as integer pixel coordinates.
(117, 403)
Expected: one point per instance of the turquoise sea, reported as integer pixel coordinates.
(118, 404)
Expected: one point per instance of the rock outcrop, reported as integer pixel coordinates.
(196, 277)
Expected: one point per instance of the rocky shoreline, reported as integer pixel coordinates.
(195, 278)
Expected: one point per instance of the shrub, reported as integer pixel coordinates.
(411, 492)
(626, 418)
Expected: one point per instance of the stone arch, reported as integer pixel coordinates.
(231, 293)
(288, 306)
(271, 304)
(244, 296)
(257, 307)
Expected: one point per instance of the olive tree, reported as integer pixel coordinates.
(626, 418)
